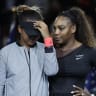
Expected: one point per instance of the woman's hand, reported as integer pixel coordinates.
(42, 27)
(79, 91)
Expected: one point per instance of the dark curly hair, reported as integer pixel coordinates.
(84, 32)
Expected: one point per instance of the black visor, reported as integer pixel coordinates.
(29, 29)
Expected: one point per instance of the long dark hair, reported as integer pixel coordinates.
(84, 32)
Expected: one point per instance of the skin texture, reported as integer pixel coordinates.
(62, 30)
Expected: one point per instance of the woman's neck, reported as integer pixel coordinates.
(71, 45)
(68, 48)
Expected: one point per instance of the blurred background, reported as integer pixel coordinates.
(50, 9)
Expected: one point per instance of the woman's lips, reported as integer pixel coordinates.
(56, 38)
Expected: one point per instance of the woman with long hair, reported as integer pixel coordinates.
(75, 44)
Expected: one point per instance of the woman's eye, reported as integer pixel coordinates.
(61, 28)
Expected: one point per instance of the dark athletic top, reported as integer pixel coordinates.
(73, 69)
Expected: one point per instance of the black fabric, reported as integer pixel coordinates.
(73, 69)
(49, 49)
(29, 29)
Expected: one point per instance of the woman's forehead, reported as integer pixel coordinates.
(60, 20)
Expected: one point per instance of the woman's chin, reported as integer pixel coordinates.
(31, 42)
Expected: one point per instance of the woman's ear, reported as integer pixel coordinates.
(73, 28)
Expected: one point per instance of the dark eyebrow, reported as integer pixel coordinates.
(61, 26)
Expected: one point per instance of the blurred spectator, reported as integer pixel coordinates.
(12, 30)
(54, 8)
(6, 18)
(90, 83)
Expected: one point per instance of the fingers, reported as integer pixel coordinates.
(39, 23)
(42, 27)
(78, 88)
(73, 92)
(78, 91)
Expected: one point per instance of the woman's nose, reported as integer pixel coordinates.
(57, 31)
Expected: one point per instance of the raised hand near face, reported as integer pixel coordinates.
(42, 27)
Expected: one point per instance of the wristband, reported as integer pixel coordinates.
(48, 42)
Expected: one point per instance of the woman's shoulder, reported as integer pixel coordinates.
(89, 50)
(8, 47)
